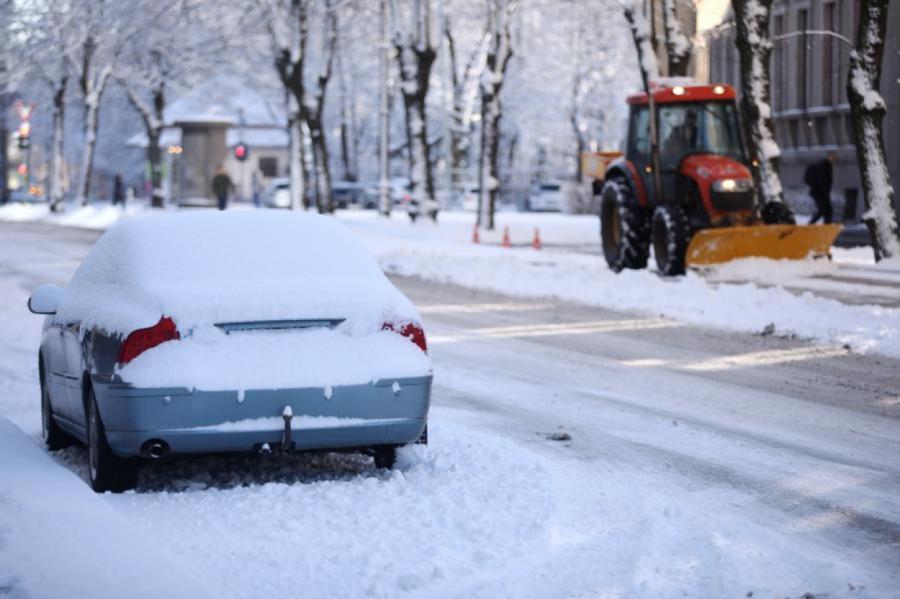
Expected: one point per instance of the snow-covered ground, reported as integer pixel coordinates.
(689, 463)
(849, 301)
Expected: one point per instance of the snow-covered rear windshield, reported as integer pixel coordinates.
(698, 127)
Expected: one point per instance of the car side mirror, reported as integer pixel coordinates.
(45, 299)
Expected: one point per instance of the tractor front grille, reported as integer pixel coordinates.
(733, 201)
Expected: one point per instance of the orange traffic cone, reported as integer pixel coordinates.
(506, 242)
(475, 237)
(536, 242)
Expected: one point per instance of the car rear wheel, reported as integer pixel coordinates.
(385, 457)
(54, 437)
(107, 471)
(624, 227)
(671, 234)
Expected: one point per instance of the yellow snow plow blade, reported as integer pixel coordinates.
(780, 242)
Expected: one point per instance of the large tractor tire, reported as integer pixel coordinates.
(671, 235)
(624, 227)
(777, 213)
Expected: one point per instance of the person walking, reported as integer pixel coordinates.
(221, 186)
(819, 177)
(118, 191)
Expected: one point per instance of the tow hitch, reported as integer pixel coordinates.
(287, 445)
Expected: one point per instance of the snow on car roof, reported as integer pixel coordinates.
(201, 267)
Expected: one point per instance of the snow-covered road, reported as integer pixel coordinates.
(699, 463)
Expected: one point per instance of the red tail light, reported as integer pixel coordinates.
(411, 330)
(141, 340)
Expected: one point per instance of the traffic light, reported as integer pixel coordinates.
(241, 151)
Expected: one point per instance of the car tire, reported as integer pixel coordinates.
(671, 235)
(385, 457)
(106, 470)
(54, 437)
(624, 227)
(777, 213)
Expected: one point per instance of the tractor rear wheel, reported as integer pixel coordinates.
(671, 235)
(624, 227)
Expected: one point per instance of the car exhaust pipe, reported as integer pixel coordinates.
(155, 448)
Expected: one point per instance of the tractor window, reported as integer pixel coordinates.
(708, 127)
(639, 135)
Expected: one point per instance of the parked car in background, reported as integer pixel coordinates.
(469, 197)
(546, 197)
(347, 193)
(277, 194)
(245, 331)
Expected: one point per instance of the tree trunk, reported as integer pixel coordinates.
(4, 144)
(324, 197)
(154, 152)
(384, 197)
(867, 109)
(755, 49)
(496, 61)
(296, 166)
(415, 72)
(640, 35)
(91, 123)
(678, 46)
(57, 154)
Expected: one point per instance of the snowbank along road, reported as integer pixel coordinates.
(574, 452)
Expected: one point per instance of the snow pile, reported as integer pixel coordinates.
(210, 267)
(59, 539)
(211, 360)
(767, 271)
(100, 215)
(586, 279)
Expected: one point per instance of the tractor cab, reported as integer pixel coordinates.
(702, 159)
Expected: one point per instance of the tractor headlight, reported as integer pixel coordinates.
(732, 185)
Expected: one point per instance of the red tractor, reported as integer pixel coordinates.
(685, 185)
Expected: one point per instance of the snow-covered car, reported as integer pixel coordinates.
(546, 197)
(229, 332)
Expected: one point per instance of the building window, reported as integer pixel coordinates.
(268, 166)
(802, 58)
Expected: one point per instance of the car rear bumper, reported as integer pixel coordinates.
(385, 412)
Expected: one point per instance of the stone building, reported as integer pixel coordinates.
(812, 42)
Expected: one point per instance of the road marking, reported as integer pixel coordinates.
(475, 308)
(765, 358)
(557, 329)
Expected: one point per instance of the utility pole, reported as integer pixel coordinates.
(384, 197)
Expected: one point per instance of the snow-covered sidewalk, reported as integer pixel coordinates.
(846, 302)
(59, 539)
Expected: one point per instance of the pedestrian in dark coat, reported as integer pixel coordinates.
(118, 190)
(221, 187)
(819, 177)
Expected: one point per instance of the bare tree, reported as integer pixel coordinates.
(181, 45)
(312, 110)
(416, 54)
(643, 42)
(464, 87)
(678, 46)
(499, 51)
(104, 28)
(288, 26)
(867, 110)
(755, 49)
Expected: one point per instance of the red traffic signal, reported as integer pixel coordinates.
(241, 151)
